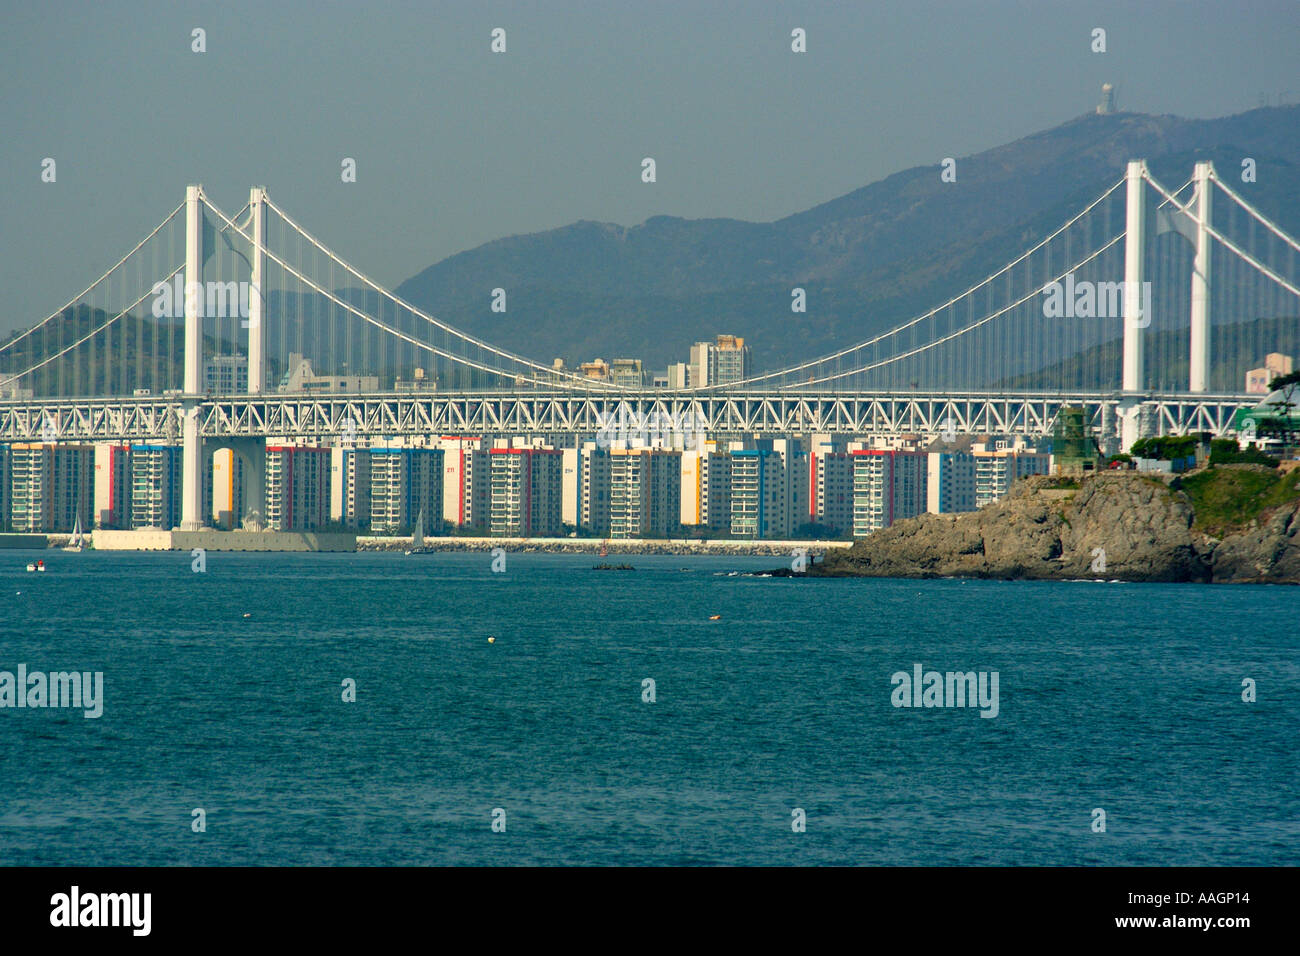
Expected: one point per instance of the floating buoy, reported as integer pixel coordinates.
(492, 640)
(716, 617)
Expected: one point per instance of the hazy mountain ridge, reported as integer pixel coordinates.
(867, 259)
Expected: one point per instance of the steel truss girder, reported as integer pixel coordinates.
(539, 413)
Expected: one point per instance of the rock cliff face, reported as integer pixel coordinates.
(1113, 526)
(1266, 554)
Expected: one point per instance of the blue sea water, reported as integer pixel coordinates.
(1122, 697)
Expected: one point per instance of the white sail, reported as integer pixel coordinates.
(417, 537)
(77, 541)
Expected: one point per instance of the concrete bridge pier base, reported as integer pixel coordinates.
(1130, 425)
(1108, 431)
(193, 471)
(252, 454)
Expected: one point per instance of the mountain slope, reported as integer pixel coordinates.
(868, 259)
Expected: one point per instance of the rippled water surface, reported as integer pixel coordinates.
(1121, 697)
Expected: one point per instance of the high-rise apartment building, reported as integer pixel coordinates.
(586, 488)
(706, 488)
(350, 486)
(229, 501)
(466, 482)
(722, 361)
(627, 373)
(769, 489)
(527, 493)
(156, 477)
(404, 482)
(297, 487)
(50, 486)
(950, 482)
(644, 492)
(226, 374)
(830, 485)
(113, 486)
(888, 486)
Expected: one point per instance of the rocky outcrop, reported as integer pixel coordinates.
(1268, 553)
(1117, 525)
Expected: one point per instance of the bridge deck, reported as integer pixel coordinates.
(540, 412)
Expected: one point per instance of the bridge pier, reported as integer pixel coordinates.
(1135, 322)
(252, 454)
(256, 330)
(192, 470)
(1108, 430)
(1199, 369)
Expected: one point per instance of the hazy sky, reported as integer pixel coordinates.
(456, 145)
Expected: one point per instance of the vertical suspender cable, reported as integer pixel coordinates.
(329, 318)
(284, 305)
(139, 325)
(302, 293)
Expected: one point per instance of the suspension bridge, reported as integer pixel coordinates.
(1147, 308)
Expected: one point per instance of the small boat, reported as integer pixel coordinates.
(604, 551)
(417, 537)
(78, 540)
(30, 566)
(38, 566)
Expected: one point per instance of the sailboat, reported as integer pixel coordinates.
(78, 540)
(417, 537)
